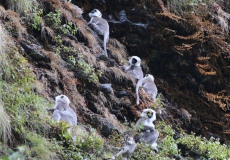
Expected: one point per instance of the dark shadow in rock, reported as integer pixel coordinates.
(121, 94)
(34, 53)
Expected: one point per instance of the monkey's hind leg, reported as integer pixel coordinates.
(154, 146)
(138, 85)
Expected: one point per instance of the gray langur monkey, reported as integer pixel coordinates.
(63, 112)
(149, 86)
(127, 150)
(145, 129)
(99, 25)
(135, 71)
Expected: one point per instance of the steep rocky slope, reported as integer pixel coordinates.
(188, 56)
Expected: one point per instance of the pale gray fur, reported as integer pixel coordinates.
(99, 25)
(145, 129)
(63, 112)
(149, 86)
(135, 71)
(128, 149)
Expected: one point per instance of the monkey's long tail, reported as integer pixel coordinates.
(106, 38)
(139, 83)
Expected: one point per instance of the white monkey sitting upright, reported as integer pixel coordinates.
(63, 112)
(149, 86)
(127, 150)
(145, 129)
(135, 71)
(100, 25)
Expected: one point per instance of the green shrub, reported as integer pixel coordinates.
(54, 19)
(68, 28)
(36, 17)
(211, 148)
(87, 69)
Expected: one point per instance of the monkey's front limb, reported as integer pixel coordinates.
(56, 115)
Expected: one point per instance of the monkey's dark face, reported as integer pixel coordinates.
(149, 114)
(93, 11)
(134, 61)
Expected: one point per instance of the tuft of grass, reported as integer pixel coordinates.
(89, 142)
(38, 147)
(5, 126)
(20, 6)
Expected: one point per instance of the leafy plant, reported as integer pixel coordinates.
(69, 28)
(87, 69)
(36, 17)
(54, 19)
(72, 60)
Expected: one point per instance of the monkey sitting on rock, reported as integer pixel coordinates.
(145, 129)
(63, 112)
(149, 86)
(100, 26)
(135, 71)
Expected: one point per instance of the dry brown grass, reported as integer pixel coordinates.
(14, 23)
(119, 51)
(102, 66)
(89, 58)
(118, 74)
(76, 11)
(47, 31)
(103, 98)
(55, 3)
(67, 14)
(221, 98)
(203, 58)
(61, 73)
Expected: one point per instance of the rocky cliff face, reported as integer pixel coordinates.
(188, 56)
